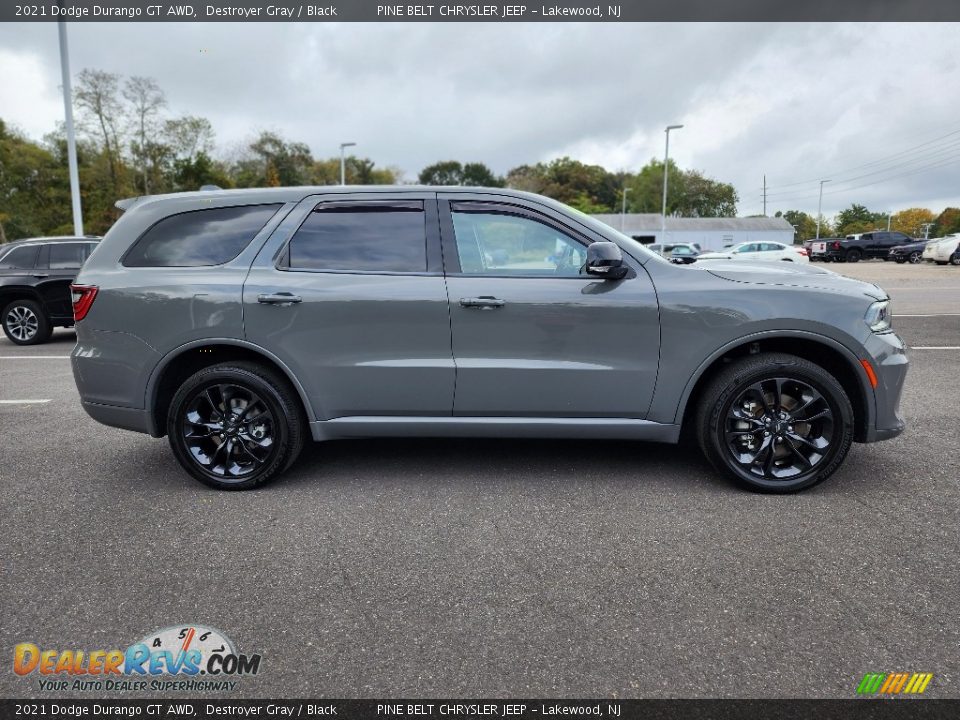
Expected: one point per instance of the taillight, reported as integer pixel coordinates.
(803, 251)
(83, 297)
(836, 246)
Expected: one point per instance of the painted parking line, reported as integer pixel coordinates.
(24, 402)
(935, 347)
(34, 357)
(903, 315)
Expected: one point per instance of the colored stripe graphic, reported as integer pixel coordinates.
(894, 683)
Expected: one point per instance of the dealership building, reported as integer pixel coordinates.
(709, 233)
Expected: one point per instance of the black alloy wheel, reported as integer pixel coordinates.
(235, 426)
(775, 423)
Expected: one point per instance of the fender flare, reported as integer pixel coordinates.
(846, 352)
(150, 392)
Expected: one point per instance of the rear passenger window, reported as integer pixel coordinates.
(65, 256)
(20, 258)
(361, 237)
(200, 237)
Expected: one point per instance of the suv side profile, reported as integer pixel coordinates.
(35, 277)
(241, 323)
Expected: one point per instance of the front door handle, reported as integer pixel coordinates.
(482, 303)
(280, 298)
(41, 275)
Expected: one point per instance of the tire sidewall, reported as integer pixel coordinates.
(827, 387)
(234, 376)
(44, 328)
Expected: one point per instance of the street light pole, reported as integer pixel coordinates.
(666, 158)
(820, 205)
(343, 162)
(623, 212)
(71, 137)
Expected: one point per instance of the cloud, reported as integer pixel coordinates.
(793, 101)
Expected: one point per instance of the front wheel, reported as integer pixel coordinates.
(25, 323)
(775, 423)
(235, 426)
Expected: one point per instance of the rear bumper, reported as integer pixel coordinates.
(125, 418)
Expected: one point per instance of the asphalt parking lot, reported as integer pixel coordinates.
(496, 569)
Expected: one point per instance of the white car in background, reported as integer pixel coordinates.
(759, 251)
(945, 250)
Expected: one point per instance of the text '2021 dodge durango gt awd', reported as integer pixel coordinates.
(239, 323)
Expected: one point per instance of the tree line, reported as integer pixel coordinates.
(916, 222)
(128, 143)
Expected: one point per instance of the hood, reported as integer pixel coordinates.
(793, 275)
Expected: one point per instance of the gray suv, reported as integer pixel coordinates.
(240, 323)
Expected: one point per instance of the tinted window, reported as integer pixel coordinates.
(201, 237)
(67, 256)
(497, 244)
(21, 257)
(362, 237)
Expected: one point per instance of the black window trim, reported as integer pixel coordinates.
(267, 224)
(503, 207)
(282, 262)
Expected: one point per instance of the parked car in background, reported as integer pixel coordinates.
(35, 277)
(876, 244)
(946, 250)
(818, 248)
(911, 252)
(684, 254)
(665, 250)
(243, 323)
(760, 251)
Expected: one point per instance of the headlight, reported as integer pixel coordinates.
(878, 316)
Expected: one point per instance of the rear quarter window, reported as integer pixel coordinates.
(200, 237)
(20, 258)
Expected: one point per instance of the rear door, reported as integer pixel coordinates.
(349, 293)
(58, 265)
(532, 336)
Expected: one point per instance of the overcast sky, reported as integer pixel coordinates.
(796, 101)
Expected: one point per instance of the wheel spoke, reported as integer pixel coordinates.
(804, 460)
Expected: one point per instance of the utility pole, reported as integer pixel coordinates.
(71, 136)
(666, 172)
(888, 222)
(926, 230)
(819, 206)
(623, 212)
(343, 162)
(764, 194)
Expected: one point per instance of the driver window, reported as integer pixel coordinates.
(499, 244)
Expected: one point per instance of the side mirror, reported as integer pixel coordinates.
(605, 260)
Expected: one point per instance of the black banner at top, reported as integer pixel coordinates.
(512, 11)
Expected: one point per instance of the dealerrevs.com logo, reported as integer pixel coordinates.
(181, 657)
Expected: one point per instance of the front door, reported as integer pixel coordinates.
(349, 293)
(532, 335)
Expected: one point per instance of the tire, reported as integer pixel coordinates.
(25, 323)
(955, 259)
(916, 257)
(241, 453)
(775, 467)
(853, 256)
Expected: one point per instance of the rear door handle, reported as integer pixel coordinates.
(482, 303)
(280, 298)
(41, 275)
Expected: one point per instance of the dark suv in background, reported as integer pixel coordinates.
(35, 277)
(876, 244)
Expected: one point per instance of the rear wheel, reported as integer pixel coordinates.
(916, 257)
(235, 426)
(955, 259)
(775, 423)
(853, 256)
(25, 323)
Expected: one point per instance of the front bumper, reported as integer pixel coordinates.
(888, 356)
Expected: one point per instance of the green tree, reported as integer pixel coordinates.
(947, 222)
(857, 219)
(806, 225)
(446, 172)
